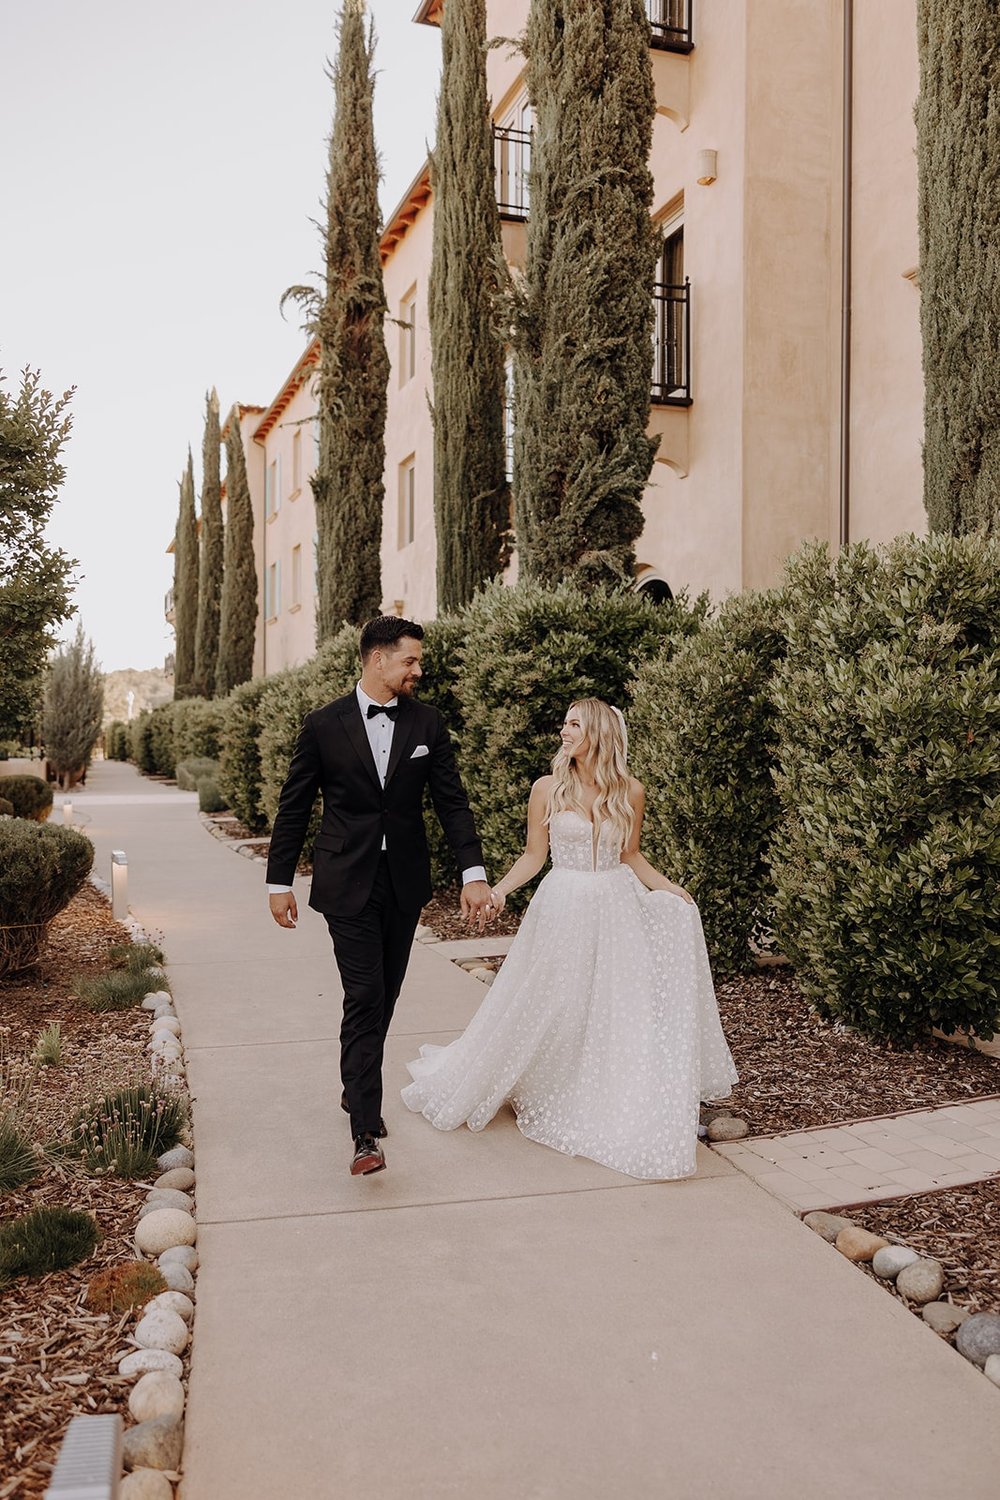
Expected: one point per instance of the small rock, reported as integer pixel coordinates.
(858, 1244)
(979, 1337)
(827, 1225)
(710, 1112)
(180, 1156)
(155, 1444)
(727, 1128)
(162, 1329)
(175, 1302)
(921, 1281)
(168, 1197)
(163, 1010)
(177, 1277)
(162, 1228)
(141, 1361)
(180, 1255)
(181, 1178)
(991, 1369)
(943, 1317)
(165, 1045)
(168, 1024)
(481, 972)
(155, 1206)
(155, 998)
(146, 1484)
(157, 1394)
(889, 1262)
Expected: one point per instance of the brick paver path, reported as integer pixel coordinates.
(867, 1160)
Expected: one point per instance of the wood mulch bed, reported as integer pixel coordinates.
(57, 1358)
(959, 1226)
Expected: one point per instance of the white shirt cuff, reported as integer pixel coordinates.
(475, 872)
(277, 890)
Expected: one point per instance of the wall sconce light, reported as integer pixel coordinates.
(707, 167)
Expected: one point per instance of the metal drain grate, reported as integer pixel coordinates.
(90, 1460)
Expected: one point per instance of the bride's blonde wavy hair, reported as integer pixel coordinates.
(605, 731)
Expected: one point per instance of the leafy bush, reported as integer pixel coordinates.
(887, 856)
(239, 771)
(123, 1132)
(44, 865)
(197, 727)
(703, 739)
(443, 641)
(30, 796)
(44, 1240)
(332, 672)
(190, 772)
(140, 743)
(161, 739)
(18, 1158)
(6, 808)
(119, 1289)
(528, 653)
(116, 741)
(210, 799)
(118, 989)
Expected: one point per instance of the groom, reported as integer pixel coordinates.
(372, 753)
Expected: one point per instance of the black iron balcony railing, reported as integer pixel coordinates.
(672, 345)
(670, 21)
(512, 164)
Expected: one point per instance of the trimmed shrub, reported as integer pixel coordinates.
(119, 1289)
(887, 856)
(44, 1240)
(43, 868)
(239, 761)
(30, 796)
(443, 641)
(18, 1157)
(210, 799)
(161, 739)
(121, 1132)
(6, 808)
(116, 741)
(528, 653)
(190, 772)
(702, 740)
(140, 743)
(197, 729)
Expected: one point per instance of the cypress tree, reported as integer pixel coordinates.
(238, 617)
(958, 147)
(584, 315)
(74, 703)
(471, 499)
(185, 587)
(348, 320)
(206, 647)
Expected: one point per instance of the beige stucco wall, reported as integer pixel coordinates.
(289, 635)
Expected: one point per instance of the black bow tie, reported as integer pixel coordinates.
(390, 710)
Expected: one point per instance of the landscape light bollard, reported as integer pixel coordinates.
(67, 812)
(89, 1461)
(119, 885)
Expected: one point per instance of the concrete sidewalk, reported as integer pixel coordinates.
(488, 1318)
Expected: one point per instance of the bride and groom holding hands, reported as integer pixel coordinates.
(601, 1030)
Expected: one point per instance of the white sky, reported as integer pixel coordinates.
(161, 165)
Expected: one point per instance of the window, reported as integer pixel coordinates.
(297, 461)
(272, 487)
(407, 495)
(671, 306)
(408, 336)
(508, 418)
(670, 22)
(296, 577)
(512, 160)
(272, 591)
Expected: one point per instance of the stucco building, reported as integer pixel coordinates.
(785, 374)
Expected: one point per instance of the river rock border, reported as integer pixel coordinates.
(921, 1282)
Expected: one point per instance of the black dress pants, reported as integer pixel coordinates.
(372, 951)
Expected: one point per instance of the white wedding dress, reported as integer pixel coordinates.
(601, 1029)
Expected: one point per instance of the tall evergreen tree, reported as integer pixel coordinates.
(471, 498)
(185, 587)
(958, 147)
(238, 618)
(584, 316)
(74, 704)
(206, 646)
(348, 319)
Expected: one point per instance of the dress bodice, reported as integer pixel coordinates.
(577, 845)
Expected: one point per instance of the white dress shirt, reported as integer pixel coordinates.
(379, 729)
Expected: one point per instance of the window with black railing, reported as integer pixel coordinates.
(512, 165)
(670, 23)
(672, 344)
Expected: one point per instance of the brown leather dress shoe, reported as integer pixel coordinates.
(368, 1157)
(381, 1132)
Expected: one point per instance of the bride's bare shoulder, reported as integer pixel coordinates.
(636, 790)
(542, 786)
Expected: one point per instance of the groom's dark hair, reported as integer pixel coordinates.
(386, 630)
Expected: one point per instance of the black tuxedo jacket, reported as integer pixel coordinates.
(333, 755)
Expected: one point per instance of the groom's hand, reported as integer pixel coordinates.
(283, 908)
(476, 906)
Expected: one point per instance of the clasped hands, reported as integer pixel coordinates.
(479, 904)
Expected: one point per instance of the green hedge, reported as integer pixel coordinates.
(116, 741)
(239, 768)
(190, 772)
(443, 640)
(528, 653)
(44, 865)
(887, 857)
(140, 742)
(703, 739)
(30, 796)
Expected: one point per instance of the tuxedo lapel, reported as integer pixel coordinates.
(402, 736)
(354, 726)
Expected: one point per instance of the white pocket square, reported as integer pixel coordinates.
(420, 750)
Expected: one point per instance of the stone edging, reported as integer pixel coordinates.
(921, 1280)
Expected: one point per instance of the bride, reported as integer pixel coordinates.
(601, 1029)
